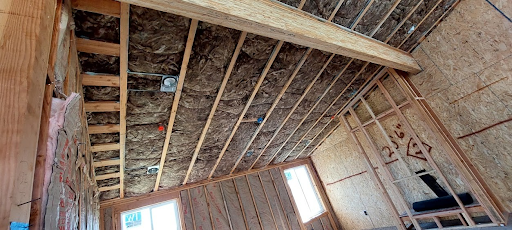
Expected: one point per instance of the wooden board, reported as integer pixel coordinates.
(249, 208)
(262, 205)
(200, 207)
(186, 211)
(217, 208)
(285, 198)
(272, 19)
(233, 205)
(274, 200)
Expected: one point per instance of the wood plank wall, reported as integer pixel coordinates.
(248, 201)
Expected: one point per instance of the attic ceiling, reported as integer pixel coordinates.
(296, 102)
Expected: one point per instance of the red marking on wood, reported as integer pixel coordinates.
(357, 174)
(486, 128)
(478, 90)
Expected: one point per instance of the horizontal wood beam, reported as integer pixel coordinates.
(108, 176)
(105, 163)
(106, 7)
(102, 106)
(110, 128)
(108, 188)
(100, 80)
(278, 21)
(97, 47)
(104, 147)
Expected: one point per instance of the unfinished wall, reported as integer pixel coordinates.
(467, 80)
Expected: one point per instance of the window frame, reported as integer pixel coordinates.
(315, 181)
(156, 205)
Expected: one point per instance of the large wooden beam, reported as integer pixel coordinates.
(25, 37)
(278, 21)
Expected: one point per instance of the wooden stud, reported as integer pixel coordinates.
(438, 222)
(309, 112)
(306, 91)
(105, 7)
(248, 104)
(181, 212)
(208, 207)
(272, 107)
(108, 188)
(191, 208)
(241, 205)
(445, 213)
(177, 96)
(280, 201)
(241, 40)
(105, 163)
(100, 80)
(427, 155)
(97, 47)
(104, 147)
(268, 201)
(102, 106)
(386, 170)
(123, 83)
(253, 200)
(274, 20)
(414, 176)
(461, 218)
(225, 206)
(109, 128)
(107, 176)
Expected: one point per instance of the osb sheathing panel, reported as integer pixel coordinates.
(338, 158)
(468, 53)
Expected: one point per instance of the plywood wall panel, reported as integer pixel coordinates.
(217, 208)
(248, 204)
(285, 198)
(263, 207)
(233, 205)
(186, 211)
(200, 207)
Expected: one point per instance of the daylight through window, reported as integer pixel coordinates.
(304, 193)
(162, 216)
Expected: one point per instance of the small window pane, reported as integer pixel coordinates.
(163, 216)
(304, 193)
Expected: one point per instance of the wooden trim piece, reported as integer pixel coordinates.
(309, 112)
(241, 40)
(114, 202)
(123, 83)
(248, 104)
(104, 147)
(275, 20)
(105, 7)
(109, 128)
(108, 188)
(107, 176)
(97, 47)
(177, 96)
(100, 80)
(272, 107)
(102, 106)
(306, 91)
(375, 177)
(105, 163)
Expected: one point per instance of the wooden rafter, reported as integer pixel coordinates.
(310, 110)
(271, 109)
(275, 20)
(216, 103)
(248, 104)
(123, 83)
(362, 13)
(397, 27)
(177, 96)
(386, 16)
(281, 93)
(306, 91)
(409, 33)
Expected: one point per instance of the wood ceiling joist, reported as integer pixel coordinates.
(386, 16)
(123, 91)
(272, 107)
(297, 103)
(102, 106)
(282, 92)
(275, 20)
(420, 23)
(105, 163)
(97, 47)
(397, 27)
(177, 96)
(100, 80)
(107, 176)
(264, 73)
(310, 111)
(362, 13)
(104, 147)
(328, 108)
(108, 128)
(106, 7)
(239, 45)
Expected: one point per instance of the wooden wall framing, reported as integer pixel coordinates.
(258, 199)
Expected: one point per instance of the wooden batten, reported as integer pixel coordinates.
(105, 147)
(102, 106)
(105, 7)
(100, 80)
(97, 47)
(110, 128)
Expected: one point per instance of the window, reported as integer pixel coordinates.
(304, 193)
(162, 216)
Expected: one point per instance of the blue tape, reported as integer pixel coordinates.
(19, 226)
